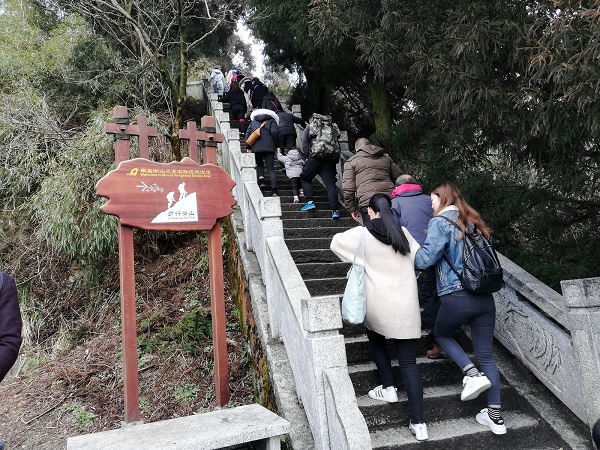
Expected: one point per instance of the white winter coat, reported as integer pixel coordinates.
(392, 299)
(293, 163)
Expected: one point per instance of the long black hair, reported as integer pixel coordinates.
(382, 204)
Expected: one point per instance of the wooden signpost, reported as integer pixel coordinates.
(178, 196)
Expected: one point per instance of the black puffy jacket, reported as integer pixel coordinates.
(269, 133)
(286, 123)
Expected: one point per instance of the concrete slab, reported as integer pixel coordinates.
(208, 431)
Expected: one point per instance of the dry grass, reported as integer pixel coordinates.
(70, 378)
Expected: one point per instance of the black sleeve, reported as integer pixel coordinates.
(299, 121)
(10, 325)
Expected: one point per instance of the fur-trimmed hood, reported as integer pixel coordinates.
(259, 114)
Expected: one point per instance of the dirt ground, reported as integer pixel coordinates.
(74, 384)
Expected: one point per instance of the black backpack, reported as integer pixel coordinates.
(482, 273)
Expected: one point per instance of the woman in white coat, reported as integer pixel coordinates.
(392, 302)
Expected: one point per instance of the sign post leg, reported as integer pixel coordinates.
(128, 319)
(219, 320)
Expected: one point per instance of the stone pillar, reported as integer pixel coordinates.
(345, 149)
(582, 299)
(195, 89)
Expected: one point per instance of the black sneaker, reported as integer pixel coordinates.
(261, 181)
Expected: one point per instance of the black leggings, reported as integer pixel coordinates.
(406, 350)
(267, 158)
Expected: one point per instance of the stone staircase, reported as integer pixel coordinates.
(451, 423)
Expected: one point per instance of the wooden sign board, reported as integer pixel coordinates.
(178, 196)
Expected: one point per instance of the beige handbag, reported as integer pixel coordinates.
(254, 135)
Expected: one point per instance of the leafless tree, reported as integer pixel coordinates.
(162, 36)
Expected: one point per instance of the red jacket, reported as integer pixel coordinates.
(10, 324)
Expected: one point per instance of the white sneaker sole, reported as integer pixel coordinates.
(420, 434)
(496, 429)
(381, 399)
(481, 384)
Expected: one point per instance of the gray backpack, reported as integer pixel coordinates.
(324, 135)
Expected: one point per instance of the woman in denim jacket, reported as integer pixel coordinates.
(459, 307)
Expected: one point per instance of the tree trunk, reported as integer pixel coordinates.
(382, 109)
(318, 93)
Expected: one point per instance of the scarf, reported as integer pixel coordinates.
(404, 188)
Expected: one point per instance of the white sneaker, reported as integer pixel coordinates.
(473, 386)
(420, 431)
(497, 426)
(385, 395)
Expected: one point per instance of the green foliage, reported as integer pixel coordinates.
(538, 227)
(187, 393)
(188, 333)
(194, 327)
(81, 415)
(65, 209)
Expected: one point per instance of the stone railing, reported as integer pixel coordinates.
(309, 327)
(556, 336)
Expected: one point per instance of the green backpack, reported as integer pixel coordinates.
(324, 135)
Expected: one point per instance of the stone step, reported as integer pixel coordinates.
(357, 344)
(434, 372)
(314, 231)
(313, 256)
(293, 212)
(326, 286)
(524, 432)
(308, 243)
(323, 270)
(440, 403)
(319, 222)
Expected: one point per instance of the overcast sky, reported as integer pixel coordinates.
(257, 48)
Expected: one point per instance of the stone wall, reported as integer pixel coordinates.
(263, 390)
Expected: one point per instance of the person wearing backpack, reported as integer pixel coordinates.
(368, 172)
(320, 143)
(270, 101)
(266, 145)
(258, 93)
(443, 246)
(217, 80)
(237, 105)
(287, 128)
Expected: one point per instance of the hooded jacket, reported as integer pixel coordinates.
(10, 324)
(235, 98)
(293, 163)
(216, 77)
(370, 171)
(269, 133)
(257, 93)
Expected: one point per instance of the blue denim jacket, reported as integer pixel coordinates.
(441, 237)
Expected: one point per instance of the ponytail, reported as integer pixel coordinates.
(382, 204)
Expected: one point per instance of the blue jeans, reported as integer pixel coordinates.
(328, 171)
(428, 296)
(479, 311)
(406, 349)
